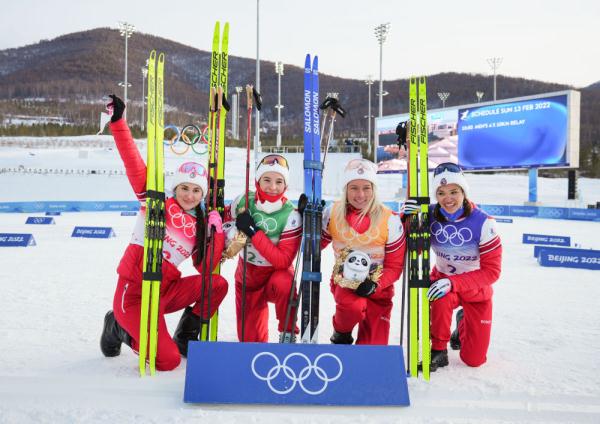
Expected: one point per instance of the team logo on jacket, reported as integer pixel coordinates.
(180, 219)
(450, 234)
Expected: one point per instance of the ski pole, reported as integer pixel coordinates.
(251, 93)
(221, 102)
(294, 303)
(332, 107)
(207, 236)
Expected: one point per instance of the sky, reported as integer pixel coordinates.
(552, 41)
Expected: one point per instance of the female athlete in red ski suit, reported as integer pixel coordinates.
(176, 292)
(275, 229)
(362, 223)
(468, 261)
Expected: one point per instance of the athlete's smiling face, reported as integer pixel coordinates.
(359, 193)
(272, 183)
(450, 197)
(188, 195)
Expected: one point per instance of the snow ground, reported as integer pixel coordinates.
(542, 363)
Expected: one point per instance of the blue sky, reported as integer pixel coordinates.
(554, 40)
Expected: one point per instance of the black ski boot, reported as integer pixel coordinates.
(454, 338)
(341, 338)
(439, 359)
(112, 336)
(187, 330)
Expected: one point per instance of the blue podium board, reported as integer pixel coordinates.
(295, 374)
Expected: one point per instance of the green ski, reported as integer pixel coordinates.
(155, 217)
(419, 343)
(216, 122)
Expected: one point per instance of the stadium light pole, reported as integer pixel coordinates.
(257, 83)
(126, 30)
(279, 71)
(381, 32)
(494, 63)
(238, 90)
(479, 95)
(369, 83)
(443, 97)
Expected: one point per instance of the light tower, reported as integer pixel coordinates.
(381, 32)
(279, 71)
(125, 30)
(443, 97)
(494, 63)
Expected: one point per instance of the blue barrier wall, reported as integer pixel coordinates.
(112, 206)
(569, 258)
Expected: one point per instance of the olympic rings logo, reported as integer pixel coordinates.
(181, 220)
(494, 210)
(348, 233)
(190, 136)
(449, 233)
(288, 373)
(266, 223)
(552, 213)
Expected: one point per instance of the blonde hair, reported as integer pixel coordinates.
(374, 209)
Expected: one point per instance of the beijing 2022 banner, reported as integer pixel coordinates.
(526, 133)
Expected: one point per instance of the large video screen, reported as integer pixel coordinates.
(530, 132)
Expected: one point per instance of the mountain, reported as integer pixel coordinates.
(67, 77)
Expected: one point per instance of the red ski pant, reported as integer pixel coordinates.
(474, 329)
(263, 284)
(174, 296)
(372, 314)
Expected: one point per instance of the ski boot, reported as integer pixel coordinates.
(454, 338)
(439, 359)
(187, 330)
(341, 338)
(113, 335)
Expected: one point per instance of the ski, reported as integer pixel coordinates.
(311, 237)
(155, 217)
(419, 343)
(216, 122)
(331, 107)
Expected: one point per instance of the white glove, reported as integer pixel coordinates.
(410, 207)
(439, 289)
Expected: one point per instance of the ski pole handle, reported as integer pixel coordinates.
(257, 98)
(219, 98)
(249, 91)
(212, 99)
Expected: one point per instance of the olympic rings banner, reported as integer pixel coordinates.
(295, 374)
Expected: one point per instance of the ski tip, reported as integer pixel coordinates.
(152, 54)
(315, 65)
(421, 80)
(413, 79)
(226, 27)
(161, 58)
(307, 62)
(217, 26)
